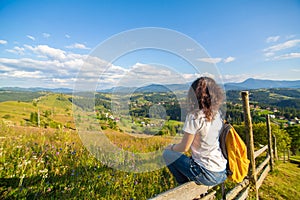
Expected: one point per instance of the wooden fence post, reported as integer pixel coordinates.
(249, 139)
(275, 148)
(270, 142)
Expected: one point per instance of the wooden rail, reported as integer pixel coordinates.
(260, 151)
(255, 176)
(189, 190)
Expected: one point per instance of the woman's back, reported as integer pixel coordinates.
(205, 147)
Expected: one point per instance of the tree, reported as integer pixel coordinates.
(261, 137)
(294, 133)
(34, 118)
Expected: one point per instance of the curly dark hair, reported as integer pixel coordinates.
(205, 94)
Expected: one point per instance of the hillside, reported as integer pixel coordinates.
(280, 97)
(53, 109)
(282, 184)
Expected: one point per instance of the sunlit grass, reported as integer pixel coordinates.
(44, 163)
(283, 183)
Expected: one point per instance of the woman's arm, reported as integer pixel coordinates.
(184, 145)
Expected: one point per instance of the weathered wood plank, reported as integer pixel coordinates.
(263, 176)
(243, 195)
(209, 196)
(188, 190)
(235, 191)
(262, 165)
(260, 151)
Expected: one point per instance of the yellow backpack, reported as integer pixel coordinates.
(235, 151)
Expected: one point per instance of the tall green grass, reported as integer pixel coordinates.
(53, 164)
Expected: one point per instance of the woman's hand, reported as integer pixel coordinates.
(170, 147)
(184, 145)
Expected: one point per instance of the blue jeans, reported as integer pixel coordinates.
(185, 169)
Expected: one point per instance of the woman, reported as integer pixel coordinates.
(202, 127)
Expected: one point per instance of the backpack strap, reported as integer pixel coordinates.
(222, 139)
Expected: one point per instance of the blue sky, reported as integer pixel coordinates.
(44, 43)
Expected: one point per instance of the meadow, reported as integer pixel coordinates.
(38, 163)
(51, 162)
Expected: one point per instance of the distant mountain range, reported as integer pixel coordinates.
(252, 83)
(245, 85)
(38, 89)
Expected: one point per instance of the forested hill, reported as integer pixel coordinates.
(279, 97)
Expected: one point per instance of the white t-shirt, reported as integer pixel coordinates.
(205, 148)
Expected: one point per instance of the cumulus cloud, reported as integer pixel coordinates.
(24, 74)
(3, 42)
(47, 51)
(272, 39)
(77, 46)
(30, 37)
(17, 50)
(61, 68)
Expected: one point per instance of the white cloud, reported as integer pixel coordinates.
(272, 39)
(46, 35)
(210, 60)
(3, 42)
(282, 46)
(45, 50)
(229, 59)
(67, 36)
(287, 56)
(217, 60)
(16, 50)
(77, 46)
(24, 74)
(30, 37)
(63, 81)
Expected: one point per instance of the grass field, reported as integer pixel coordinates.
(38, 163)
(46, 163)
(283, 183)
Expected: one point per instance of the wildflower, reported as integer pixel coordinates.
(57, 153)
(27, 162)
(44, 170)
